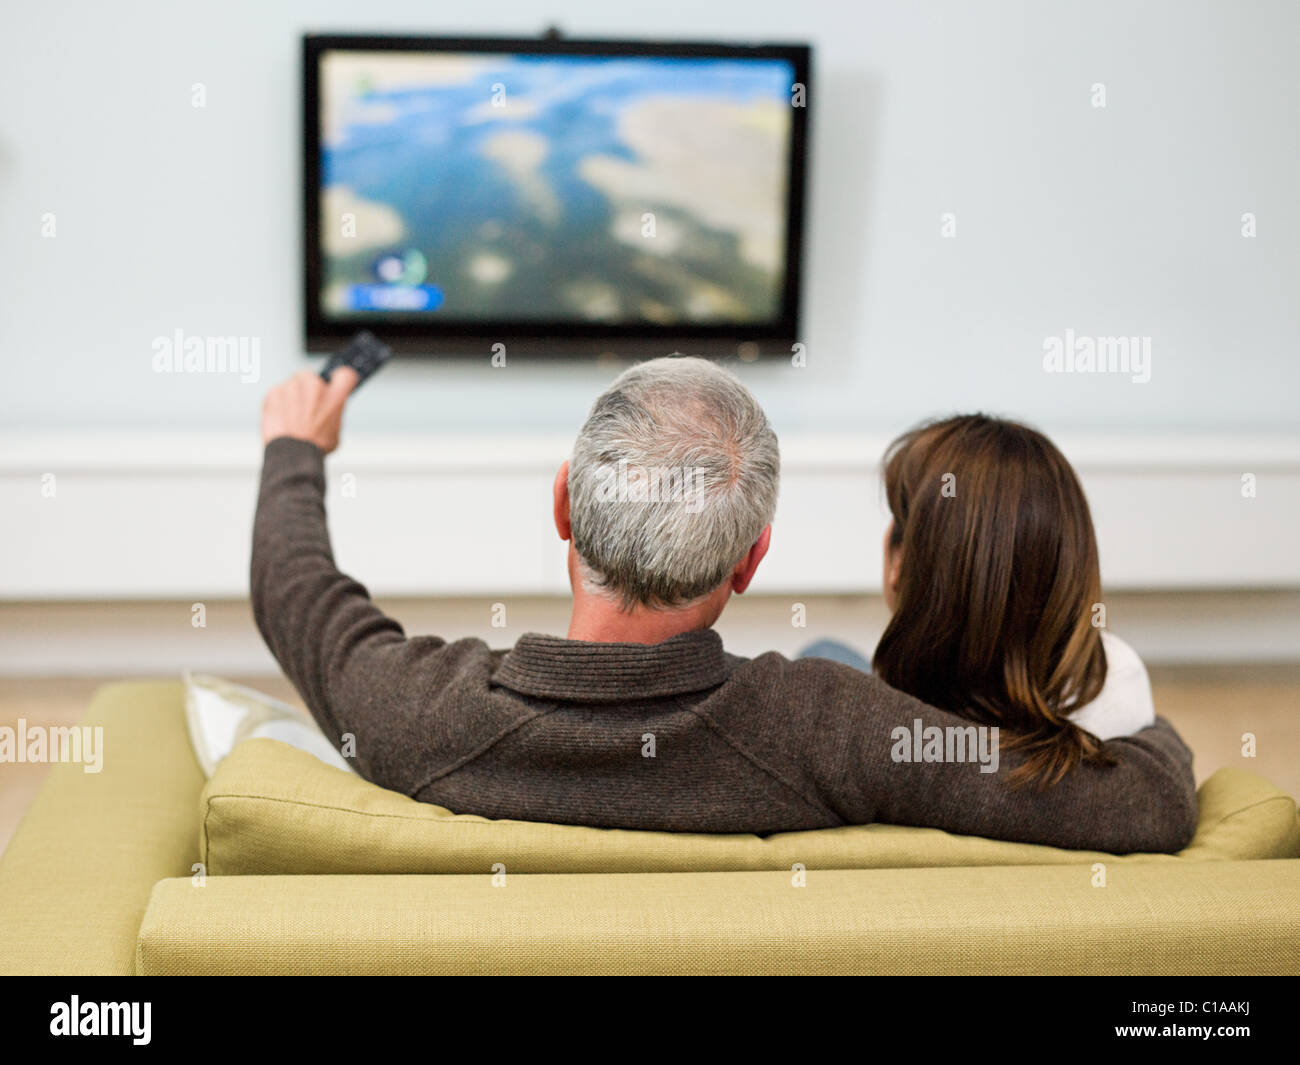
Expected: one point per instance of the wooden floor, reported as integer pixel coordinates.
(1212, 706)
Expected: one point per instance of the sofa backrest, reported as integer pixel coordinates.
(273, 809)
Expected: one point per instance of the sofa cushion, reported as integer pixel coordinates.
(1198, 918)
(273, 809)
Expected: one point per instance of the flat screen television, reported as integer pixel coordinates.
(557, 196)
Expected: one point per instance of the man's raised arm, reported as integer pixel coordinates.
(319, 623)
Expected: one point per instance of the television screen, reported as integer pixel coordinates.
(566, 196)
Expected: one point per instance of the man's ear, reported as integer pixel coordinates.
(748, 566)
(561, 491)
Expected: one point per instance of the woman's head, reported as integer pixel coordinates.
(991, 570)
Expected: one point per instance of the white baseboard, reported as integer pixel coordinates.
(158, 638)
(168, 517)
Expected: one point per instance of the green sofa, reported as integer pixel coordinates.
(281, 864)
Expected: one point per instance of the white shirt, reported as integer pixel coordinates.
(1124, 705)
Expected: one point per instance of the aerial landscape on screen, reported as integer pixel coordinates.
(494, 187)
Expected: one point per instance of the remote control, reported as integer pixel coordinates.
(365, 353)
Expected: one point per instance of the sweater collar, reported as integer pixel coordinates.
(574, 670)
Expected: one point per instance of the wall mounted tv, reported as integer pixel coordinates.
(561, 197)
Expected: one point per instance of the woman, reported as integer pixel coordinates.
(991, 573)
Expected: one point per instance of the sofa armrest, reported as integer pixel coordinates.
(75, 878)
(1212, 917)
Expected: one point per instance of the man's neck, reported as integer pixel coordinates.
(596, 619)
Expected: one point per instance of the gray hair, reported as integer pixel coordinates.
(673, 477)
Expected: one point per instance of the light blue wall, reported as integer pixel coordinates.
(1116, 221)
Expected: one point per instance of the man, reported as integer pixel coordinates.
(639, 719)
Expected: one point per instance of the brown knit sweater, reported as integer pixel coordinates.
(679, 736)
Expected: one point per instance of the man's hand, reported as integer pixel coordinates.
(307, 408)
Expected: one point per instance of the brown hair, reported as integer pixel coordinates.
(998, 580)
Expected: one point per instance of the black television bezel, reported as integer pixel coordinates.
(560, 338)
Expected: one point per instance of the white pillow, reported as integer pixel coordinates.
(221, 714)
